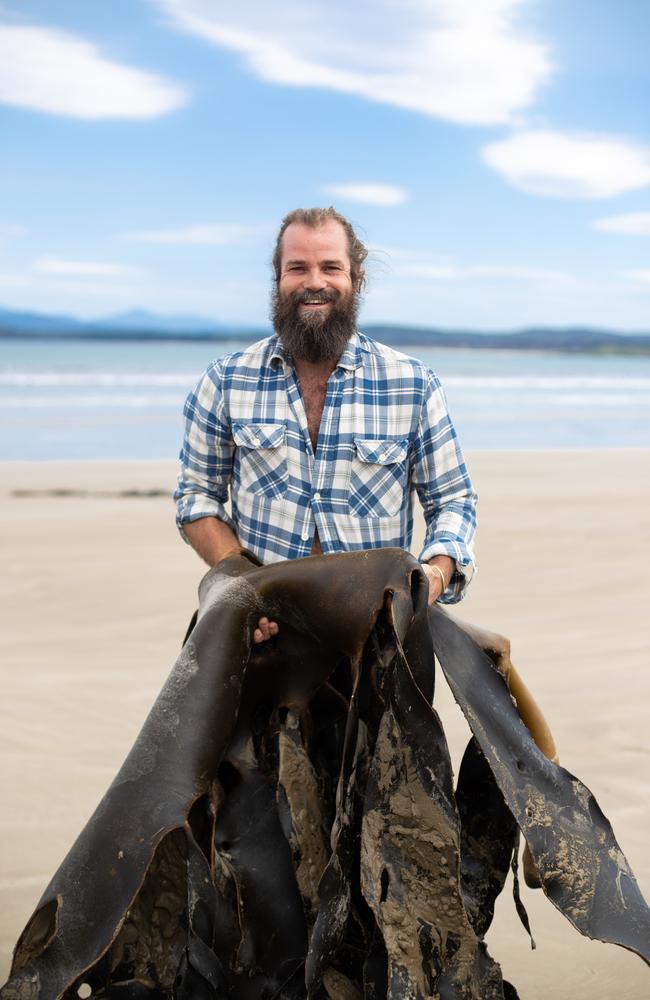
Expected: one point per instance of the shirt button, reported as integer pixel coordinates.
(316, 496)
(305, 536)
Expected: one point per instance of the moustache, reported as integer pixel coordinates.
(318, 298)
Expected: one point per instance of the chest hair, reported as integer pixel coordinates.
(314, 391)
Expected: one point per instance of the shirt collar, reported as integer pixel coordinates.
(350, 359)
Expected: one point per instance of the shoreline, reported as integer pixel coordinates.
(542, 339)
(98, 590)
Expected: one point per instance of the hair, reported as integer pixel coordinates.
(315, 217)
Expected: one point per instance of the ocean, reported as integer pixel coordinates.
(62, 400)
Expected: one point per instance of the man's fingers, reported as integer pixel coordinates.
(265, 629)
(435, 583)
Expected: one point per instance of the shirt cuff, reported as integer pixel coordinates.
(194, 506)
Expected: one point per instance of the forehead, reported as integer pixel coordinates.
(326, 242)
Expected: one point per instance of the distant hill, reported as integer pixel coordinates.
(139, 324)
(15, 322)
(141, 319)
(569, 339)
(136, 324)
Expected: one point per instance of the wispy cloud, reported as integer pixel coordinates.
(199, 235)
(632, 224)
(53, 71)
(430, 272)
(74, 289)
(369, 194)
(642, 276)
(81, 268)
(567, 165)
(12, 281)
(442, 272)
(468, 62)
(11, 231)
(9, 234)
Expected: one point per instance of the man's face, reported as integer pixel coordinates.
(314, 307)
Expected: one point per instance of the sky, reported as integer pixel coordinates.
(494, 155)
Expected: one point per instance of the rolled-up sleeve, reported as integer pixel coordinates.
(206, 455)
(445, 490)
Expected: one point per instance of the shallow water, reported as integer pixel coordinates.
(114, 399)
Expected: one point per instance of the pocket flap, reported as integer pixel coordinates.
(259, 435)
(381, 452)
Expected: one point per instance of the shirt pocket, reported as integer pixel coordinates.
(378, 477)
(261, 458)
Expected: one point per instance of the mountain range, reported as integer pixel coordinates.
(139, 324)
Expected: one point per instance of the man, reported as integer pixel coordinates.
(320, 434)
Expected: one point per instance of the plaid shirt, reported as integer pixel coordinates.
(384, 433)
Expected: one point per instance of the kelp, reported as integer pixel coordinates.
(286, 824)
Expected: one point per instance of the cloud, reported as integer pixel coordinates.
(200, 235)
(462, 60)
(443, 272)
(632, 224)
(369, 194)
(12, 280)
(566, 165)
(81, 268)
(10, 231)
(49, 70)
(430, 272)
(642, 276)
(72, 291)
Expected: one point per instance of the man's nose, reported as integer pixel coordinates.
(314, 280)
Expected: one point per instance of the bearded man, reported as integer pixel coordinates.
(322, 435)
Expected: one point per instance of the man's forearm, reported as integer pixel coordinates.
(444, 565)
(211, 538)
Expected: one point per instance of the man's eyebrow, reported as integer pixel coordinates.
(323, 263)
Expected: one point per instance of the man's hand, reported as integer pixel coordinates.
(437, 570)
(214, 541)
(265, 629)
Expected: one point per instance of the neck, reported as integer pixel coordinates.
(318, 371)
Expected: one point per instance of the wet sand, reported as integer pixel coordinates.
(98, 588)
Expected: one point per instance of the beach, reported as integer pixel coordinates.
(98, 589)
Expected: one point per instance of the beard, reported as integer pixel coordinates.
(312, 335)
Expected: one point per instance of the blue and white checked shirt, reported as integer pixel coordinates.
(385, 433)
